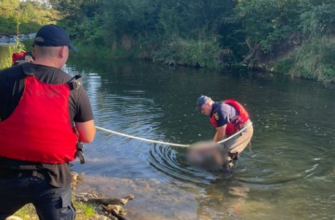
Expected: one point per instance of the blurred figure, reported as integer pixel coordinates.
(206, 155)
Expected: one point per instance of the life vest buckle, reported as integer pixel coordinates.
(75, 82)
(238, 123)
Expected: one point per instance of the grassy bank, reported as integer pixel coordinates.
(194, 54)
(312, 60)
(101, 52)
(84, 212)
(191, 53)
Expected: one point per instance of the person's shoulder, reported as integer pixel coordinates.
(50, 74)
(215, 108)
(14, 71)
(43, 68)
(218, 106)
(225, 105)
(222, 107)
(10, 69)
(60, 74)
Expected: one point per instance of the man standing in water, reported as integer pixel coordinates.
(228, 117)
(44, 113)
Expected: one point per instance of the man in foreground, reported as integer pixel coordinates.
(44, 113)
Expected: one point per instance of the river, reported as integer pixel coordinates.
(287, 173)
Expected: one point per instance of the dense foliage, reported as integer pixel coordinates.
(24, 16)
(291, 36)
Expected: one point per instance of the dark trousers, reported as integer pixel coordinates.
(51, 203)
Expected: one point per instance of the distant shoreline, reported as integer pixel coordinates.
(10, 39)
(6, 44)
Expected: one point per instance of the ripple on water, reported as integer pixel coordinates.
(173, 162)
(293, 126)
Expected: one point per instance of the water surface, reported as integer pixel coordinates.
(288, 173)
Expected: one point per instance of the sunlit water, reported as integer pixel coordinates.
(288, 173)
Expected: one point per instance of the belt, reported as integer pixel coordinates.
(5, 174)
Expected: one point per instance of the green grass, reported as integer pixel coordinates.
(314, 60)
(84, 211)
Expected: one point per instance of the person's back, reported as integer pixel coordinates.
(44, 112)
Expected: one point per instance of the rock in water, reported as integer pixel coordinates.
(13, 218)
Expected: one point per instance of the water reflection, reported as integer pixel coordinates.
(227, 198)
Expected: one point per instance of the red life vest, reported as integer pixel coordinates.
(39, 129)
(18, 56)
(236, 123)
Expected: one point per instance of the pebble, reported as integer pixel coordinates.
(101, 217)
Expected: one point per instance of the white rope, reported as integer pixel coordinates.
(142, 139)
(240, 131)
(165, 143)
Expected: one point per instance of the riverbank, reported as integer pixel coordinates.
(310, 60)
(89, 205)
(293, 37)
(84, 212)
(10, 39)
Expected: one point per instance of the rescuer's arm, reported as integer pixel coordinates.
(220, 133)
(86, 131)
(83, 118)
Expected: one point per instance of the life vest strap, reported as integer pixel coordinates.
(75, 82)
(80, 152)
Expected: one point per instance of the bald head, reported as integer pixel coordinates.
(51, 56)
(49, 52)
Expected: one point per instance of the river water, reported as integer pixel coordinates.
(287, 173)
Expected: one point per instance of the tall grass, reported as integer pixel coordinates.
(5, 57)
(315, 60)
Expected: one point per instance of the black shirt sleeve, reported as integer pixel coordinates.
(79, 106)
(11, 89)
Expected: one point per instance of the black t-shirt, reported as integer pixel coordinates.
(11, 89)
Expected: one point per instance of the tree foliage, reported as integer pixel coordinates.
(200, 32)
(28, 15)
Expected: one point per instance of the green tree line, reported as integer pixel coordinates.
(24, 16)
(291, 36)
